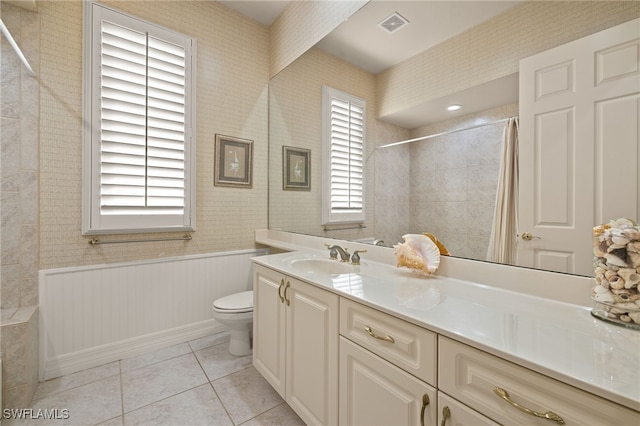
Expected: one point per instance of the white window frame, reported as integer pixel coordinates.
(330, 214)
(93, 219)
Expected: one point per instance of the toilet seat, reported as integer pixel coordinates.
(235, 303)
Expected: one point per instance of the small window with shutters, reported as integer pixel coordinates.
(343, 138)
(139, 169)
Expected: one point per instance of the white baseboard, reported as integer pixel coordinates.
(100, 355)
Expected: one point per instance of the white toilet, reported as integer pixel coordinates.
(236, 312)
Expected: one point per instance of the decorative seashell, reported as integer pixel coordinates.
(633, 247)
(620, 240)
(610, 274)
(418, 252)
(613, 259)
(633, 234)
(604, 297)
(635, 317)
(599, 230)
(441, 247)
(613, 247)
(600, 289)
(623, 222)
(599, 270)
(603, 248)
(616, 282)
(630, 276)
(624, 296)
(625, 318)
(634, 260)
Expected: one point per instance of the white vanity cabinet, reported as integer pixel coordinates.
(356, 356)
(377, 353)
(295, 345)
(514, 395)
(454, 413)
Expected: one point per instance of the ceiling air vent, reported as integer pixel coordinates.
(394, 22)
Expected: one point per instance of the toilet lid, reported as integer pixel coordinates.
(238, 302)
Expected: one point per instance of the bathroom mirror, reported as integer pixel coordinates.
(401, 180)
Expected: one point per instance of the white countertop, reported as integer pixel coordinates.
(558, 339)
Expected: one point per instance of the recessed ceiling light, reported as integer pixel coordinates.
(454, 107)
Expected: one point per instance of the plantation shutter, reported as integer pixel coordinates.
(345, 157)
(141, 131)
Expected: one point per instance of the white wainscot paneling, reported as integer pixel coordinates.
(92, 315)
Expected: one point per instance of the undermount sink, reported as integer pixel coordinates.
(322, 266)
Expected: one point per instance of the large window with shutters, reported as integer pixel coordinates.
(343, 138)
(139, 169)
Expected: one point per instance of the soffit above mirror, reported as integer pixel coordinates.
(362, 41)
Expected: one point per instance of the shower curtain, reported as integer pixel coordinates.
(504, 239)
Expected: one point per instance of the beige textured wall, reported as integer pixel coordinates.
(232, 99)
(493, 49)
(296, 120)
(302, 24)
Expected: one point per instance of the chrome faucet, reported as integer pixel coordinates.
(355, 258)
(335, 249)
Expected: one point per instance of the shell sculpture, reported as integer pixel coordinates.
(418, 252)
(616, 249)
(441, 247)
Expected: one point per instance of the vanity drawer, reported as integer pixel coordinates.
(471, 375)
(413, 348)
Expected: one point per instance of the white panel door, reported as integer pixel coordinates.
(312, 352)
(579, 117)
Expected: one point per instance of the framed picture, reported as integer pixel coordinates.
(233, 162)
(297, 168)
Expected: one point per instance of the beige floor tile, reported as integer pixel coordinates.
(74, 380)
(89, 404)
(208, 341)
(150, 358)
(282, 415)
(116, 421)
(217, 362)
(147, 385)
(199, 406)
(246, 394)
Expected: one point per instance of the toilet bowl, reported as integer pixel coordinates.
(236, 312)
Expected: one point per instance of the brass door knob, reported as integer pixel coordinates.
(527, 236)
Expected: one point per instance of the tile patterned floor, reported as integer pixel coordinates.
(192, 383)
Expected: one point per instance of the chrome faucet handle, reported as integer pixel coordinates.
(355, 258)
(333, 253)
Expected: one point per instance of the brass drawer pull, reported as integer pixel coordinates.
(286, 287)
(386, 338)
(425, 402)
(549, 415)
(446, 413)
(280, 290)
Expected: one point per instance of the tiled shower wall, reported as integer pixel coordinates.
(445, 185)
(19, 240)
